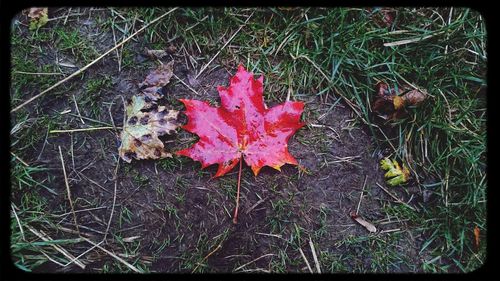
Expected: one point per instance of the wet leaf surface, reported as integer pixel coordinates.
(147, 121)
(242, 127)
(156, 80)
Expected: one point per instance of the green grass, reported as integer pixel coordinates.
(307, 53)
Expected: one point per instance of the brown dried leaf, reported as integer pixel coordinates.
(476, 235)
(383, 17)
(414, 97)
(392, 105)
(38, 17)
(139, 137)
(368, 225)
(155, 54)
(156, 80)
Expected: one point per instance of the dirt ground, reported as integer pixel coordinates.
(171, 216)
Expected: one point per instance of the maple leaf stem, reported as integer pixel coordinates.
(235, 217)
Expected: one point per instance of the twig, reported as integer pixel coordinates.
(19, 159)
(183, 83)
(206, 257)
(58, 248)
(82, 254)
(314, 255)
(361, 196)
(92, 63)
(79, 211)
(305, 259)
(412, 40)
(44, 143)
(38, 73)
(270, 235)
(78, 110)
(255, 205)
(81, 130)
(68, 190)
(224, 46)
(115, 177)
(396, 198)
(135, 269)
(51, 259)
(337, 137)
(253, 261)
(18, 222)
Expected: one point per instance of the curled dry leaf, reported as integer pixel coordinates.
(368, 225)
(395, 175)
(391, 103)
(242, 127)
(38, 17)
(156, 80)
(146, 121)
(414, 97)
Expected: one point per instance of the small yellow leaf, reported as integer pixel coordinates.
(398, 102)
(394, 175)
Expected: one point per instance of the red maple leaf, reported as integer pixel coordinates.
(242, 127)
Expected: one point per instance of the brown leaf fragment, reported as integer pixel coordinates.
(139, 137)
(171, 49)
(155, 54)
(156, 80)
(391, 103)
(476, 235)
(38, 17)
(414, 97)
(368, 225)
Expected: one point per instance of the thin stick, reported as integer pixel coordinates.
(38, 73)
(253, 261)
(46, 238)
(81, 130)
(82, 254)
(395, 198)
(19, 159)
(135, 269)
(114, 199)
(361, 196)
(314, 255)
(224, 46)
(18, 222)
(92, 63)
(412, 40)
(305, 259)
(255, 205)
(183, 83)
(235, 217)
(51, 259)
(206, 257)
(78, 110)
(68, 190)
